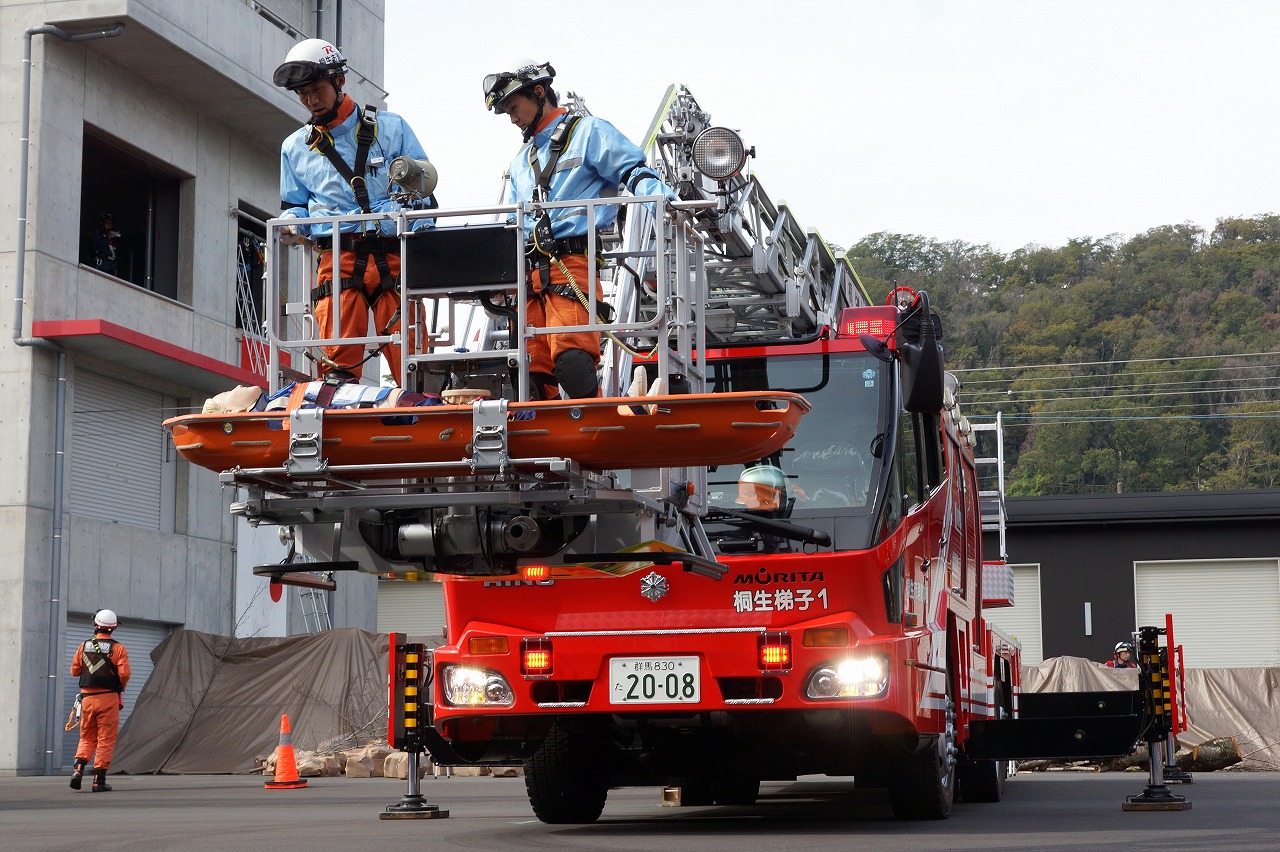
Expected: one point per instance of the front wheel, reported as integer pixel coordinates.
(566, 778)
(923, 785)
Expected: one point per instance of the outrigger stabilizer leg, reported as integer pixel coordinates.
(1173, 773)
(413, 805)
(409, 715)
(1153, 677)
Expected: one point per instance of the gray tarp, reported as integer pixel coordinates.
(213, 703)
(1243, 703)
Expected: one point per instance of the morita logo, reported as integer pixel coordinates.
(491, 583)
(767, 578)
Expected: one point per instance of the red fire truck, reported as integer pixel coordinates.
(757, 556)
(846, 637)
(846, 634)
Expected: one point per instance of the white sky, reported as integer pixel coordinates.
(1005, 123)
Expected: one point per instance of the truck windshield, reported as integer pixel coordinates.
(829, 469)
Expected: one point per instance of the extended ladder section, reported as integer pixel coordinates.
(768, 279)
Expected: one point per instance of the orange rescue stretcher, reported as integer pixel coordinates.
(608, 433)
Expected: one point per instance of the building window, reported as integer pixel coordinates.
(143, 198)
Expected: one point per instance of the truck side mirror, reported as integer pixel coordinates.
(921, 353)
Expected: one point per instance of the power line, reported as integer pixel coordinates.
(1098, 392)
(1005, 381)
(1100, 363)
(1013, 421)
(1148, 412)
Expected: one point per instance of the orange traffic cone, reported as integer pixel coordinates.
(286, 764)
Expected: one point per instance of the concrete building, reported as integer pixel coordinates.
(161, 112)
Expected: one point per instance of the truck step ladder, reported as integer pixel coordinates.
(990, 466)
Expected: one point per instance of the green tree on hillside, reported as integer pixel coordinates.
(1106, 356)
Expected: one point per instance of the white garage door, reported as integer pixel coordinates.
(138, 638)
(1022, 620)
(1225, 613)
(415, 609)
(128, 479)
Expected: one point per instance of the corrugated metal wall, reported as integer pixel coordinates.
(415, 609)
(117, 461)
(1226, 613)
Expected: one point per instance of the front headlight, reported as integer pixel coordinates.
(468, 686)
(854, 677)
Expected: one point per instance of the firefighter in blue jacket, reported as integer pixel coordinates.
(565, 158)
(337, 165)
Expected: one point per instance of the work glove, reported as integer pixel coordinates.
(291, 234)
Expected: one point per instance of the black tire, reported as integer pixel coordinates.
(980, 780)
(922, 785)
(736, 791)
(566, 778)
(983, 780)
(696, 794)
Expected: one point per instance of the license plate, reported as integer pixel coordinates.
(654, 680)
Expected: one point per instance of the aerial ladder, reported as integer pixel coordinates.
(724, 265)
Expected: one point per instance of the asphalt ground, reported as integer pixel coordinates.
(1040, 811)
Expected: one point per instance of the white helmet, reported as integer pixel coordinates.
(106, 618)
(309, 61)
(503, 84)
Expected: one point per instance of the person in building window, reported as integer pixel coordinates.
(1123, 657)
(104, 245)
(102, 664)
(335, 165)
(564, 158)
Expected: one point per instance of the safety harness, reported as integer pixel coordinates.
(95, 657)
(543, 248)
(368, 244)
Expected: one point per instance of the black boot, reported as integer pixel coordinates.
(77, 772)
(339, 377)
(100, 784)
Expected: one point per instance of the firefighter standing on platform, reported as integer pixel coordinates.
(566, 158)
(102, 664)
(337, 165)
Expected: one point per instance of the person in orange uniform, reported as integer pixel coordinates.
(102, 664)
(336, 165)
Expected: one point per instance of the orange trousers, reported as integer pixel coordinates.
(555, 310)
(354, 310)
(99, 726)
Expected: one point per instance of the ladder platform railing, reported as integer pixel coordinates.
(451, 260)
